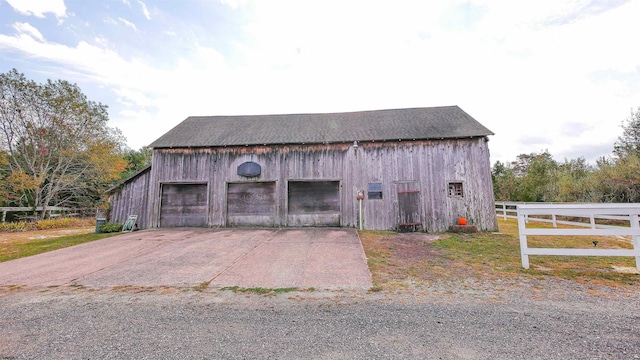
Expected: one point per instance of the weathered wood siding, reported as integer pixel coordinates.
(131, 198)
(428, 166)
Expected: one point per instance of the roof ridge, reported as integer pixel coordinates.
(321, 113)
(369, 125)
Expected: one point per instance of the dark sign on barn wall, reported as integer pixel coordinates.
(249, 169)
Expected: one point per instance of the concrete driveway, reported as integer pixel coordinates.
(270, 258)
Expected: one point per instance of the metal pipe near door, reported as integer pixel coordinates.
(360, 216)
(360, 197)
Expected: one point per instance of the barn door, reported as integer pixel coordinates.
(408, 206)
(251, 204)
(313, 203)
(183, 205)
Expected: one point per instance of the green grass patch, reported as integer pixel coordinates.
(488, 255)
(499, 254)
(481, 252)
(18, 250)
(259, 290)
(200, 287)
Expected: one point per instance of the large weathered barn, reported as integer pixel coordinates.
(418, 168)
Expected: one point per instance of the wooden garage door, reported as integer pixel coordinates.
(183, 205)
(251, 204)
(314, 203)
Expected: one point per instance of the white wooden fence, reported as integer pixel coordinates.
(628, 212)
(509, 210)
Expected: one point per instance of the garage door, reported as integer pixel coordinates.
(183, 205)
(314, 203)
(251, 204)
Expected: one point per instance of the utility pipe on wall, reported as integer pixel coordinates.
(360, 217)
(360, 197)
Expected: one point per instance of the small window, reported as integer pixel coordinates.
(374, 191)
(456, 189)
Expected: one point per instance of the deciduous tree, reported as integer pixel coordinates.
(536, 177)
(629, 142)
(505, 185)
(136, 160)
(58, 149)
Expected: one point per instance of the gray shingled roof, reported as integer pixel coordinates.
(406, 124)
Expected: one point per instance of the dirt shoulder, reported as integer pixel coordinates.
(35, 235)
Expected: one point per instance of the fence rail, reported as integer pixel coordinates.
(509, 210)
(50, 209)
(627, 212)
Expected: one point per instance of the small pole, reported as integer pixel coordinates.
(360, 217)
(636, 238)
(523, 239)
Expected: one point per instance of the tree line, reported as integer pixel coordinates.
(56, 148)
(537, 177)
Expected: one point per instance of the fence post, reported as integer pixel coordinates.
(504, 210)
(555, 221)
(523, 239)
(636, 238)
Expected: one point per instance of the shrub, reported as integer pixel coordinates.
(110, 227)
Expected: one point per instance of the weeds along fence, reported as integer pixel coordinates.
(542, 212)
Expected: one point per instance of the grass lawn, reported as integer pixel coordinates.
(13, 250)
(397, 259)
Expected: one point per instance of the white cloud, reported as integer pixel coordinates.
(150, 100)
(234, 4)
(528, 79)
(145, 11)
(39, 8)
(25, 28)
(128, 23)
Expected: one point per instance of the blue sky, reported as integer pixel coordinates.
(549, 74)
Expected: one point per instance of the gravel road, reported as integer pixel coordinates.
(550, 321)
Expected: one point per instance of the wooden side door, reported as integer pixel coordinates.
(408, 206)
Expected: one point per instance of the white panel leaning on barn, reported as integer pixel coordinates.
(604, 211)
